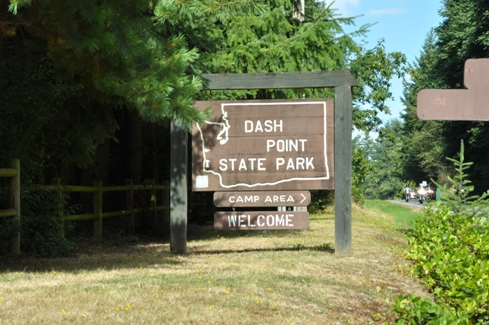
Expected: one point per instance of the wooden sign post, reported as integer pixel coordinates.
(341, 167)
(178, 189)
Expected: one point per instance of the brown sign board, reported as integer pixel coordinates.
(459, 104)
(261, 220)
(264, 145)
(262, 199)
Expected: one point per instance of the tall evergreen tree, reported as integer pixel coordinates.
(144, 55)
(111, 49)
(463, 35)
(423, 143)
(264, 36)
(386, 155)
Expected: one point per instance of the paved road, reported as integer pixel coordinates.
(479, 211)
(412, 203)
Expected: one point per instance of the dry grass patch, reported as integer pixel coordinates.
(275, 277)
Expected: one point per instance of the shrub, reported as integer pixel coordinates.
(320, 200)
(450, 251)
(416, 311)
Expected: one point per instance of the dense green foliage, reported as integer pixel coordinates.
(450, 251)
(413, 310)
(462, 35)
(422, 142)
(42, 227)
(264, 37)
(83, 62)
(87, 88)
(111, 50)
(423, 145)
(384, 178)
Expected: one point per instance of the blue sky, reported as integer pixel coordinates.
(403, 24)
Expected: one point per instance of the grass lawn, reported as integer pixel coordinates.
(404, 217)
(239, 277)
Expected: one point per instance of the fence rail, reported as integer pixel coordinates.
(93, 189)
(98, 191)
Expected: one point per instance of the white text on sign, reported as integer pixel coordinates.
(262, 198)
(261, 220)
(270, 220)
(256, 199)
(281, 145)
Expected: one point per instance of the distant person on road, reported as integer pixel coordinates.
(422, 193)
(407, 193)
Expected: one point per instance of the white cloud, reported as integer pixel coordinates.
(345, 7)
(382, 12)
(350, 8)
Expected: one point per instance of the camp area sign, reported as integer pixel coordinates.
(264, 145)
(262, 199)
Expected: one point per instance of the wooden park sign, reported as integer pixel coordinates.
(261, 220)
(459, 104)
(292, 155)
(268, 146)
(264, 145)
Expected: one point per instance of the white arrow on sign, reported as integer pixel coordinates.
(261, 198)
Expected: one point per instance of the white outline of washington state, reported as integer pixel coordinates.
(223, 137)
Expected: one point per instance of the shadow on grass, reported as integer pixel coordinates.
(142, 257)
(321, 248)
(405, 230)
(149, 252)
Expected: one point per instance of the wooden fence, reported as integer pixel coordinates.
(98, 194)
(14, 210)
(98, 198)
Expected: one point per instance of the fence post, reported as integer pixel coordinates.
(57, 181)
(15, 204)
(153, 204)
(97, 209)
(130, 206)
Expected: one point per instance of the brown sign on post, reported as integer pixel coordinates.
(264, 145)
(262, 199)
(261, 220)
(459, 104)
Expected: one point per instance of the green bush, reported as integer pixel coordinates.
(416, 311)
(450, 252)
(41, 226)
(320, 200)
